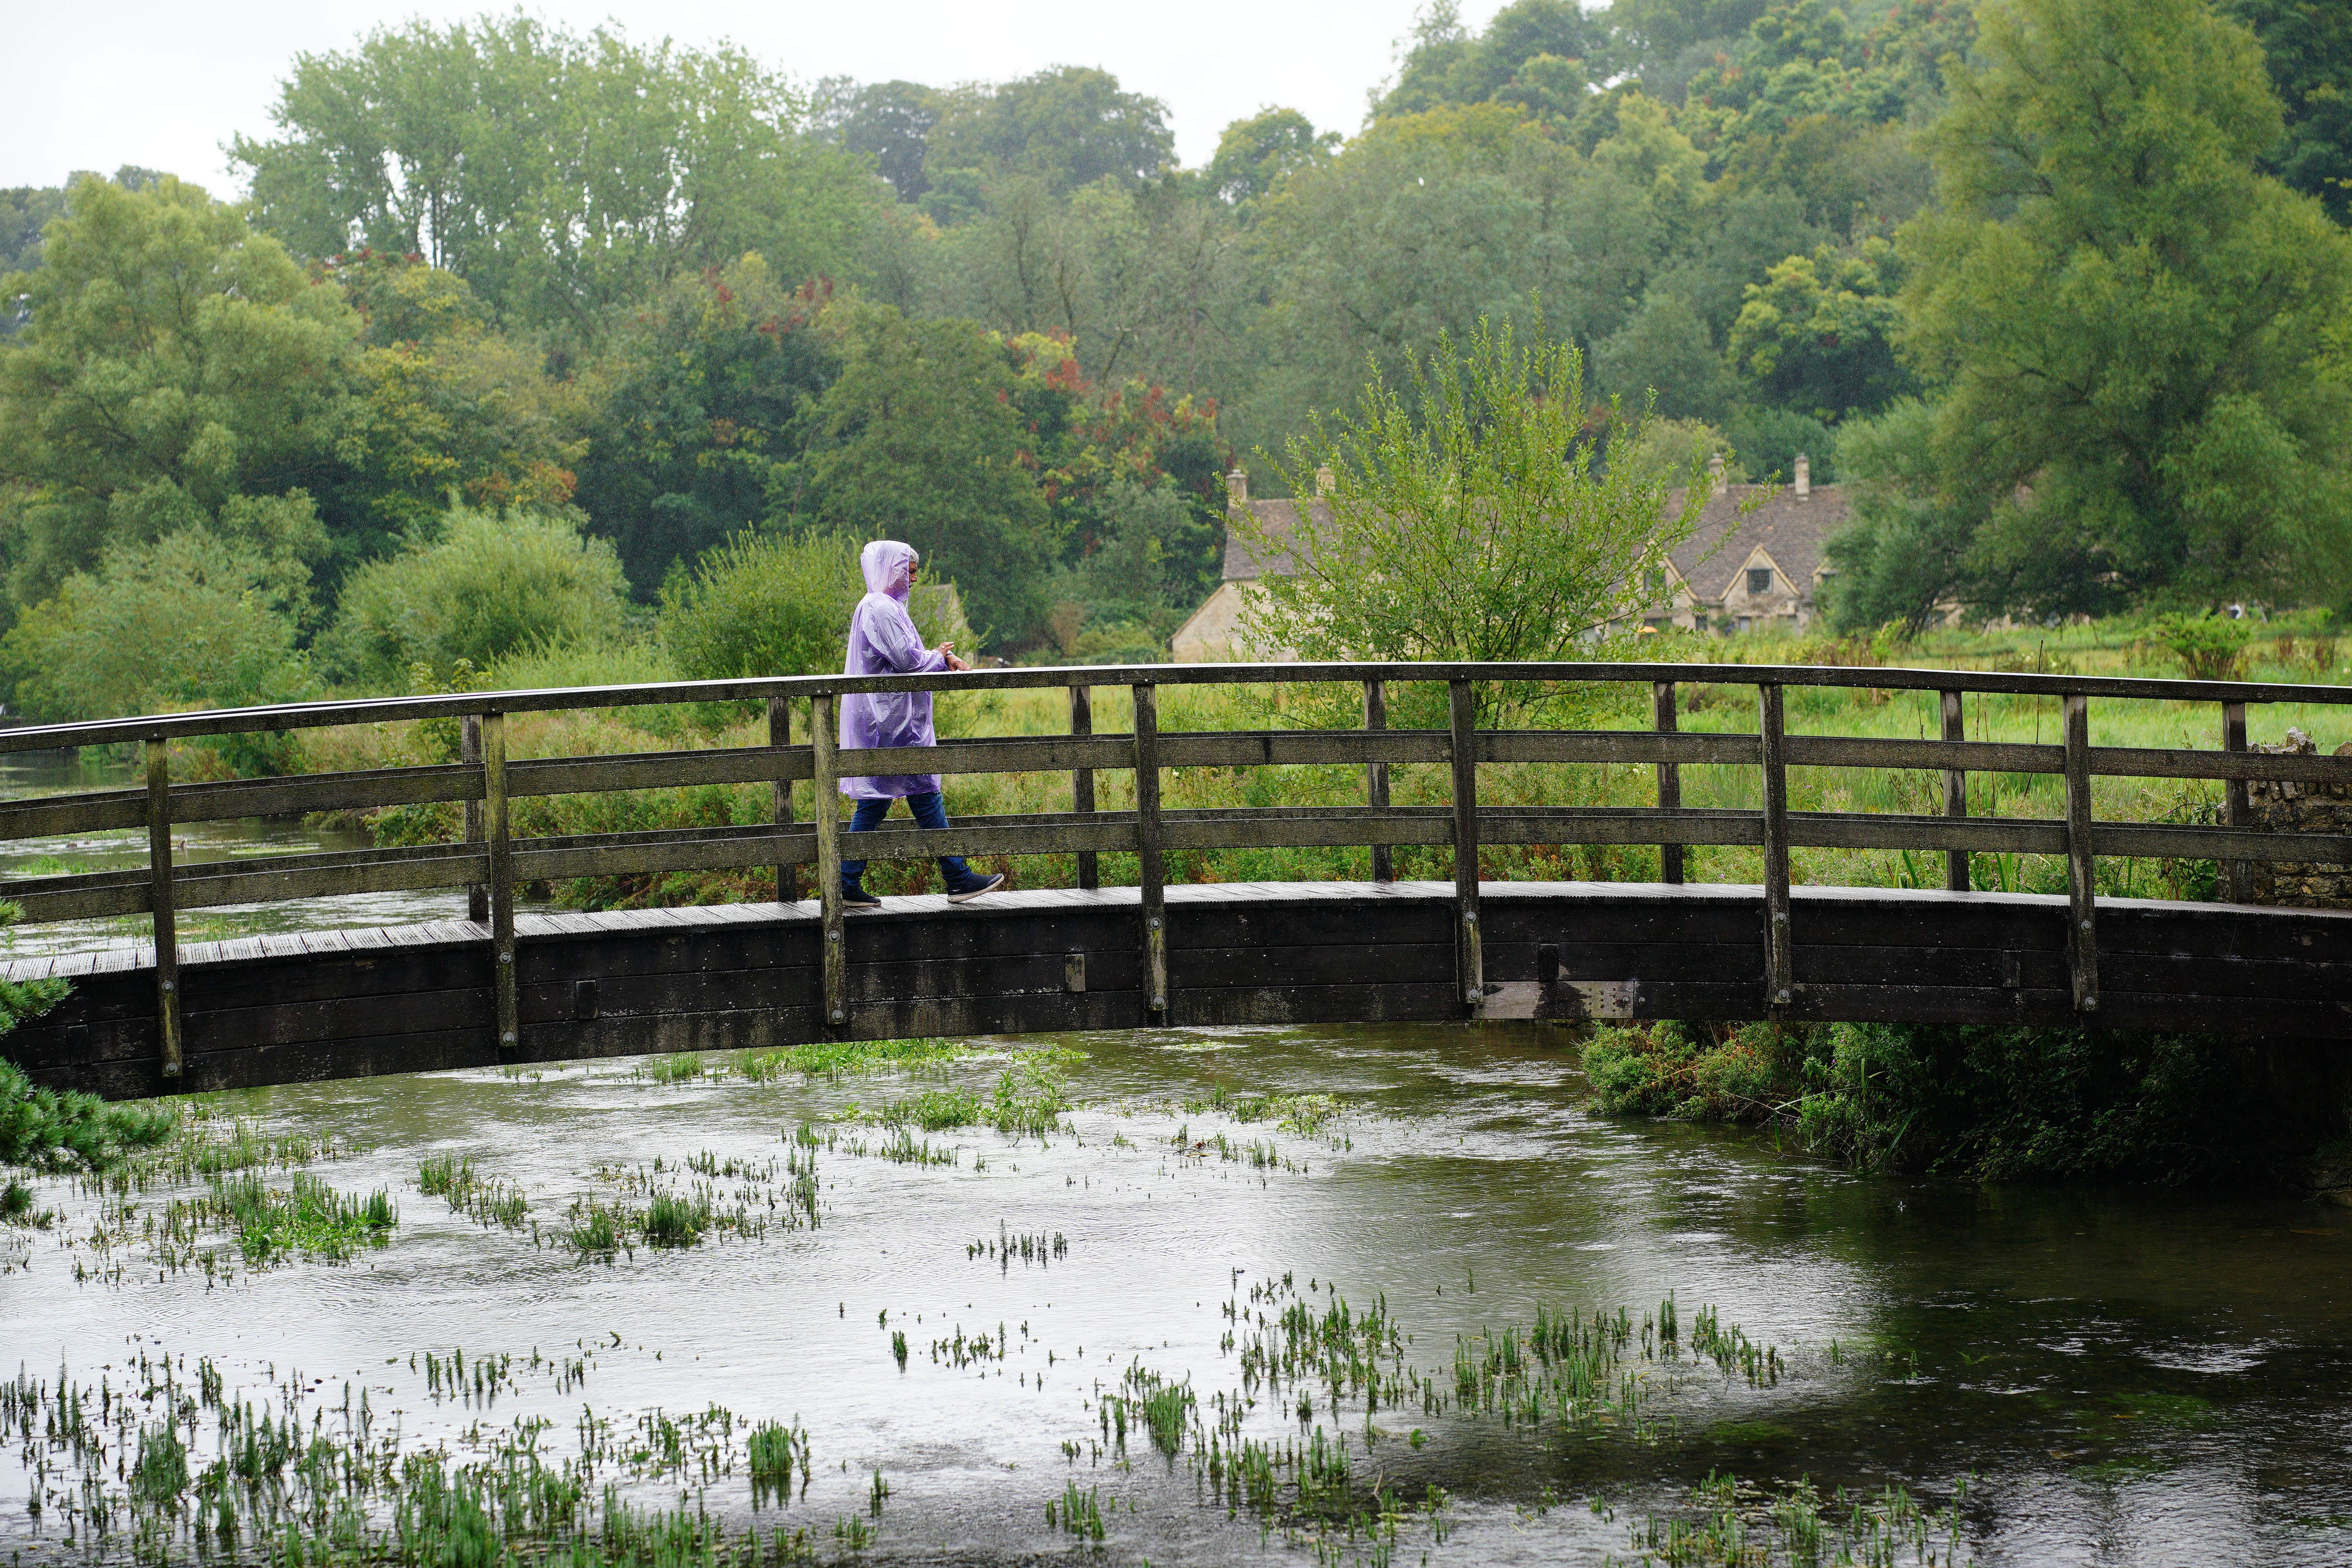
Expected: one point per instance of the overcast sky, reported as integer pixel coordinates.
(164, 83)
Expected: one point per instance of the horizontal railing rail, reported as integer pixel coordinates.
(492, 864)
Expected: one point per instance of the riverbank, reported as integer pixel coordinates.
(1330, 1296)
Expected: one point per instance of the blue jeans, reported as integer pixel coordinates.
(930, 811)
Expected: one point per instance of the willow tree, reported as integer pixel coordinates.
(1468, 516)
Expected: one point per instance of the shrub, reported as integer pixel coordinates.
(491, 586)
(191, 619)
(2209, 646)
(762, 603)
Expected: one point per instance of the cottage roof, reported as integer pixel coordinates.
(1792, 529)
(1279, 519)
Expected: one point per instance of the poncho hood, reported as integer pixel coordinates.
(889, 567)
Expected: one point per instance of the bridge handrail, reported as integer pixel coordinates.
(491, 863)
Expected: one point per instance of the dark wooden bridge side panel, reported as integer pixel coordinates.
(285, 1009)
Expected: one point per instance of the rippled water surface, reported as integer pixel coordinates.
(2116, 1377)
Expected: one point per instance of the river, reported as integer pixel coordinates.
(2049, 1375)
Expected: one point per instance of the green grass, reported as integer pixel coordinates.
(845, 1058)
(306, 1218)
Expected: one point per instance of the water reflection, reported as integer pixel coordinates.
(2131, 1378)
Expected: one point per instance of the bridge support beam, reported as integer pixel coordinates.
(2237, 876)
(1376, 776)
(1670, 778)
(1082, 782)
(1151, 871)
(1956, 796)
(2081, 902)
(170, 1048)
(1469, 960)
(508, 1025)
(824, 742)
(469, 752)
(1779, 952)
(780, 736)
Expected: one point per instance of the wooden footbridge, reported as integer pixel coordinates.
(508, 987)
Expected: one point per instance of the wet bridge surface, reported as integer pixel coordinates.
(325, 1004)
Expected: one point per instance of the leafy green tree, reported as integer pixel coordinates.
(1468, 520)
(1659, 30)
(1256, 153)
(1912, 541)
(2130, 325)
(710, 388)
(762, 603)
(179, 371)
(890, 122)
(1069, 125)
(1666, 352)
(2307, 45)
(491, 585)
(1815, 334)
(917, 439)
(562, 176)
(190, 620)
(1448, 64)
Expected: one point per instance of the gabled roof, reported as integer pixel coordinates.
(1791, 531)
(1280, 520)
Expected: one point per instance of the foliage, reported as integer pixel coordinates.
(1908, 547)
(563, 176)
(1984, 1103)
(712, 386)
(762, 603)
(491, 585)
(178, 371)
(2209, 646)
(49, 1131)
(1468, 522)
(919, 439)
(1815, 334)
(2307, 47)
(2129, 324)
(1253, 154)
(192, 619)
(1069, 125)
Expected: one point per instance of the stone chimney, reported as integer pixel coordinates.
(1804, 476)
(1325, 482)
(1237, 491)
(1715, 473)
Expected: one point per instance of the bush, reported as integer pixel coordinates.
(772, 604)
(762, 603)
(2209, 646)
(188, 620)
(491, 586)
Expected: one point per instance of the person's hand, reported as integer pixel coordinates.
(953, 662)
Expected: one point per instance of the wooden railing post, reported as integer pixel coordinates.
(170, 1049)
(1956, 797)
(495, 825)
(2082, 896)
(823, 743)
(470, 752)
(1376, 776)
(2237, 876)
(1780, 953)
(780, 736)
(1151, 873)
(1469, 965)
(1082, 782)
(1670, 777)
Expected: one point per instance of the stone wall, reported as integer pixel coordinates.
(2279, 806)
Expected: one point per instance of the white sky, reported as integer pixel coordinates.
(165, 83)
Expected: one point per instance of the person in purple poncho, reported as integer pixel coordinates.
(883, 641)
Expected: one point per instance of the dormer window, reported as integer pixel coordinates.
(1759, 579)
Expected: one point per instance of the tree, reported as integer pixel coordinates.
(491, 585)
(710, 386)
(890, 122)
(2308, 45)
(1256, 153)
(179, 371)
(2130, 325)
(1069, 125)
(1468, 520)
(562, 176)
(1659, 30)
(1914, 530)
(189, 620)
(1446, 64)
(917, 439)
(1815, 335)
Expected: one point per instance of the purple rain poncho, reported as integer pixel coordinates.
(883, 641)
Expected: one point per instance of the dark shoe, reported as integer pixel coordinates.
(973, 886)
(858, 899)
